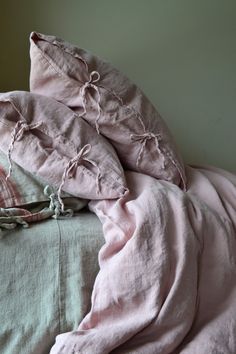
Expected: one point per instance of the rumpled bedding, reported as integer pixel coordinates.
(167, 270)
(166, 283)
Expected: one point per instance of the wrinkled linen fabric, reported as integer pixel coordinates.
(26, 198)
(44, 137)
(167, 270)
(46, 274)
(23, 188)
(108, 101)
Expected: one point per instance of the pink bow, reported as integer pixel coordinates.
(93, 78)
(143, 138)
(20, 128)
(71, 168)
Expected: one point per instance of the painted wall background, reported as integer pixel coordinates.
(182, 53)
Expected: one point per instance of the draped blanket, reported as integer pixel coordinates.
(167, 270)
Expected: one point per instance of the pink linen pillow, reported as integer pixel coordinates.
(25, 188)
(109, 102)
(22, 188)
(44, 137)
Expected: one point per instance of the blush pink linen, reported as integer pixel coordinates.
(167, 270)
(44, 137)
(109, 102)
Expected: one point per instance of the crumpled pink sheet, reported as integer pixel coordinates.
(167, 280)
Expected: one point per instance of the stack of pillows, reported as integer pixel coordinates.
(82, 122)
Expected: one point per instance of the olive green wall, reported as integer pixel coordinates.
(182, 53)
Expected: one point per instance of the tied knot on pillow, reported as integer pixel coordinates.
(20, 128)
(143, 138)
(94, 77)
(71, 168)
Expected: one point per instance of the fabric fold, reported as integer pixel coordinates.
(167, 271)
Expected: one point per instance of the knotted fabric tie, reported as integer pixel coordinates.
(93, 78)
(55, 205)
(71, 167)
(143, 138)
(20, 128)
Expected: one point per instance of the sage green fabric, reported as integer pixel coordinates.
(46, 274)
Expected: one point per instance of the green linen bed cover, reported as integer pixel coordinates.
(46, 279)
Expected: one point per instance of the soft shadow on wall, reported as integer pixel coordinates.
(181, 53)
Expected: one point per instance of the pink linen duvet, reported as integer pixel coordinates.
(167, 280)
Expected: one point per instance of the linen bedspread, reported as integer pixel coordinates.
(167, 270)
(47, 274)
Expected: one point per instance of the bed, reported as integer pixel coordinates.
(110, 243)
